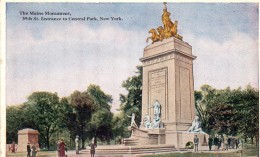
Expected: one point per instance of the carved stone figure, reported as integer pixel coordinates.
(133, 124)
(166, 20)
(161, 33)
(147, 121)
(196, 125)
(157, 108)
(156, 123)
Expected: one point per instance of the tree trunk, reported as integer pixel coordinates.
(70, 141)
(48, 142)
(257, 140)
(95, 139)
(252, 139)
(82, 143)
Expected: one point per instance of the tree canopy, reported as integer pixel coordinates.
(132, 101)
(226, 111)
(86, 114)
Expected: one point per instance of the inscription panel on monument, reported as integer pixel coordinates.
(158, 90)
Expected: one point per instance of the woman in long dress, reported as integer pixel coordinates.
(62, 148)
(13, 147)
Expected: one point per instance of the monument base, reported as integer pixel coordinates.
(181, 138)
(159, 136)
(146, 137)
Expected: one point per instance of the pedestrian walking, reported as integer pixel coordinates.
(28, 150)
(34, 150)
(229, 142)
(62, 146)
(92, 146)
(215, 141)
(225, 140)
(233, 142)
(13, 147)
(77, 144)
(210, 143)
(236, 142)
(196, 143)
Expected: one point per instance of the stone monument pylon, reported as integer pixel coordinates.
(26, 136)
(168, 78)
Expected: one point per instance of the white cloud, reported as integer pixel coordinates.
(70, 58)
(66, 58)
(233, 62)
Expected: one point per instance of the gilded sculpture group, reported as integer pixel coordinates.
(168, 30)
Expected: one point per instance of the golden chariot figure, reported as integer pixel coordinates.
(168, 30)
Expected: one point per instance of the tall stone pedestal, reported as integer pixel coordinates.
(26, 136)
(168, 78)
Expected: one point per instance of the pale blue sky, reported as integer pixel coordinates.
(66, 56)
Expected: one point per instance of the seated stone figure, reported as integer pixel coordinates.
(196, 125)
(156, 123)
(147, 121)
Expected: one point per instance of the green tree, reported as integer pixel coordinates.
(247, 105)
(101, 120)
(204, 100)
(83, 107)
(229, 111)
(101, 99)
(41, 109)
(120, 130)
(101, 125)
(14, 122)
(132, 101)
(65, 111)
(221, 119)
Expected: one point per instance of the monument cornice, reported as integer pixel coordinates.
(167, 41)
(168, 55)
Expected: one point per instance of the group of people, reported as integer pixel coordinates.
(62, 150)
(223, 143)
(31, 151)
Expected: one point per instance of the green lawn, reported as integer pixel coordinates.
(190, 154)
(248, 150)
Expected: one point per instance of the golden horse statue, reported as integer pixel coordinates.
(168, 30)
(155, 37)
(157, 34)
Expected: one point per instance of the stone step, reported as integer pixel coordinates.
(145, 149)
(140, 151)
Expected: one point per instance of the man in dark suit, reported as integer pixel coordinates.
(196, 143)
(28, 150)
(210, 143)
